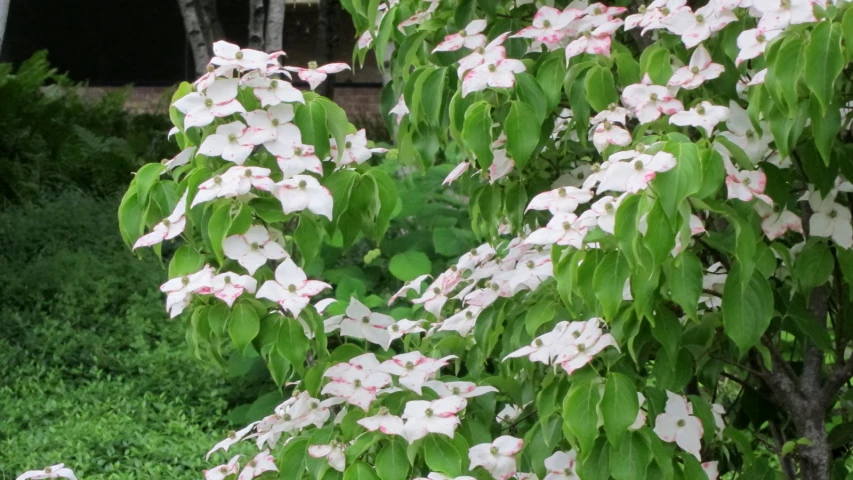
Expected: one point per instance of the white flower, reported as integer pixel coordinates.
(509, 414)
(355, 149)
(560, 200)
(231, 439)
(360, 322)
(439, 416)
(333, 453)
(223, 471)
(230, 55)
(470, 37)
(413, 368)
(677, 424)
(461, 389)
(219, 100)
(291, 288)
(304, 192)
(229, 286)
(498, 457)
(830, 219)
(634, 175)
(253, 248)
(54, 471)
(263, 462)
(315, 75)
(169, 228)
(705, 115)
(561, 466)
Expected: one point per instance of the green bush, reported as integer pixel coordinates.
(92, 373)
(51, 139)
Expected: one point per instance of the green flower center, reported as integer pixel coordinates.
(365, 320)
(291, 288)
(493, 450)
(208, 102)
(638, 165)
(681, 423)
(833, 214)
(239, 56)
(694, 70)
(428, 412)
(546, 24)
(567, 226)
(303, 184)
(608, 207)
(255, 246)
(410, 366)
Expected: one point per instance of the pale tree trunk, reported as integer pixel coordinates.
(4, 14)
(256, 24)
(274, 40)
(202, 26)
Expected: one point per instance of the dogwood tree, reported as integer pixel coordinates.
(657, 208)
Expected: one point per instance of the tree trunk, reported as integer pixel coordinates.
(257, 14)
(4, 14)
(327, 39)
(274, 40)
(198, 27)
(210, 18)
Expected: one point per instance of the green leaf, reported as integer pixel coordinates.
(682, 181)
(825, 128)
(540, 314)
(655, 61)
(360, 471)
(291, 343)
(580, 413)
(392, 463)
(747, 309)
(308, 237)
(600, 88)
(550, 77)
(243, 325)
(667, 331)
(619, 406)
(292, 459)
(145, 179)
(530, 93)
(130, 216)
(630, 460)
(787, 70)
(477, 132)
(684, 276)
(185, 261)
(813, 265)
(388, 196)
(522, 133)
(596, 465)
(409, 265)
(659, 239)
(824, 61)
(610, 277)
(311, 120)
(432, 95)
(336, 122)
(441, 455)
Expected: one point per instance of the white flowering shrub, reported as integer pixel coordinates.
(662, 286)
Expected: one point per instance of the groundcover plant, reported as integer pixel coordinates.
(662, 283)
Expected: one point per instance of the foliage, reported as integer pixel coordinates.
(666, 222)
(91, 371)
(53, 139)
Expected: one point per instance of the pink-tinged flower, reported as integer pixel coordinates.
(525, 476)
(742, 134)
(752, 43)
(640, 421)
(492, 52)
(461, 322)
(400, 109)
(291, 288)
(273, 91)
(595, 15)
(776, 222)
(705, 115)
(718, 411)
(54, 471)
(231, 439)
(434, 297)
(315, 75)
(583, 345)
(304, 192)
(549, 25)
(700, 69)
(470, 37)
(562, 229)
(253, 248)
(605, 211)
(180, 159)
(219, 100)
(322, 305)
(360, 322)
(230, 143)
(778, 14)
(414, 285)
(696, 27)
(560, 200)
(355, 149)
(528, 273)
(594, 41)
(562, 466)
(475, 257)
(263, 462)
(745, 185)
(404, 327)
(181, 289)
(439, 416)
(366, 362)
(234, 182)
(606, 133)
(713, 281)
(169, 228)
(710, 469)
(651, 17)
(501, 165)
(650, 101)
(355, 385)
(613, 114)
(229, 286)
(634, 175)
(419, 17)
(222, 471)
(302, 160)
(333, 453)
(384, 422)
(758, 78)
(496, 71)
(232, 56)
(547, 346)
(457, 172)
(498, 457)
(413, 369)
(460, 389)
(830, 220)
(441, 476)
(677, 424)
